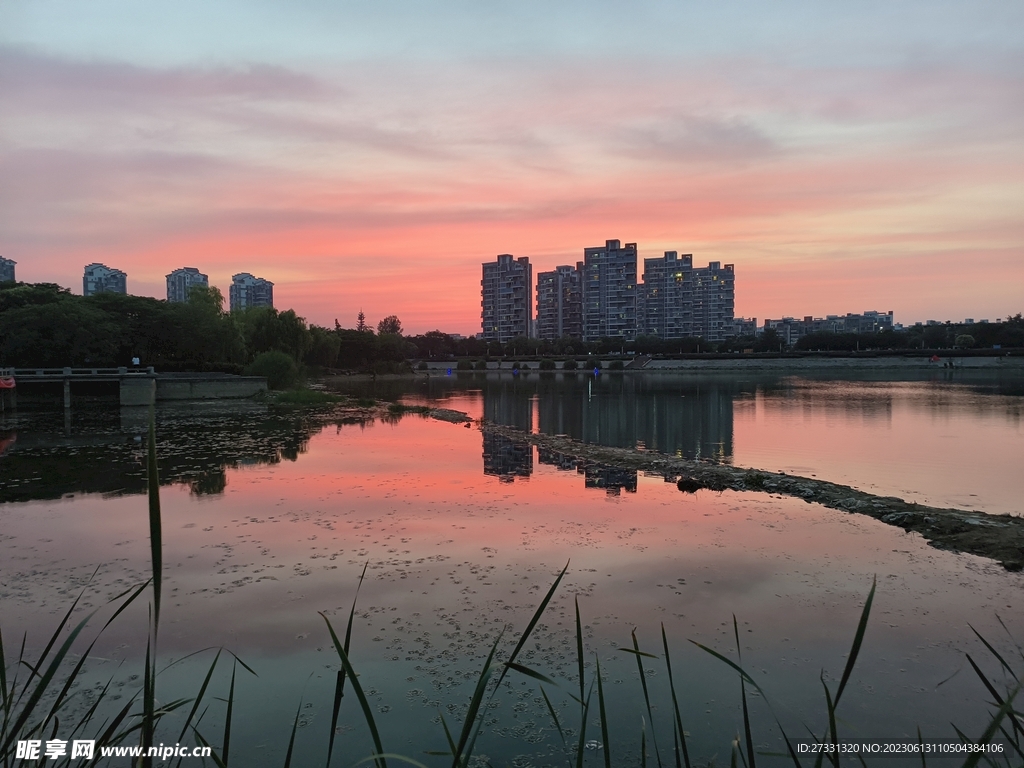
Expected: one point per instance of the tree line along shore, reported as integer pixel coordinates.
(44, 325)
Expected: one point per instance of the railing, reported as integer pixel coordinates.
(74, 371)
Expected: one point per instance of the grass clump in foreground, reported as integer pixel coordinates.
(36, 697)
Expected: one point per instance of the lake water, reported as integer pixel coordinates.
(270, 515)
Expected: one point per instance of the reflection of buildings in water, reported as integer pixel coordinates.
(507, 459)
(693, 421)
(612, 479)
(509, 402)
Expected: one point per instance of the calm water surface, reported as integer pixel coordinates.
(269, 517)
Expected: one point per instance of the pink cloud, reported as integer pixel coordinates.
(385, 187)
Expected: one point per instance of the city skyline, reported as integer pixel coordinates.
(842, 158)
(243, 284)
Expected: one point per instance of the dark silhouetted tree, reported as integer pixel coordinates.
(389, 325)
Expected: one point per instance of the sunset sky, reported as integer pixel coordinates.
(372, 154)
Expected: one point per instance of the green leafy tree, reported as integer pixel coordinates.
(324, 347)
(278, 367)
(265, 329)
(390, 325)
(58, 334)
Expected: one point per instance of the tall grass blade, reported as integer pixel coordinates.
(291, 739)
(149, 706)
(675, 702)
(647, 697)
(643, 744)
(731, 663)
(533, 621)
(993, 726)
(743, 696)
(833, 737)
(862, 626)
(339, 684)
(753, 684)
(5, 697)
(464, 749)
(531, 673)
(581, 746)
(217, 759)
(155, 529)
(41, 686)
(604, 715)
(447, 734)
(579, 645)
(73, 675)
(554, 717)
(226, 749)
(995, 653)
(339, 693)
(199, 697)
(1009, 634)
(363, 703)
(1013, 741)
(995, 693)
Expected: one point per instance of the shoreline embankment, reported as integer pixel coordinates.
(760, 364)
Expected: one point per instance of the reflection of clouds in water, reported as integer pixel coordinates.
(455, 558)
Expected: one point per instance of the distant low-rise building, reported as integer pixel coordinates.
(181, 281)
(744, 326)
(7, 270)
(791, 330)
(99, 278)
(248, 291)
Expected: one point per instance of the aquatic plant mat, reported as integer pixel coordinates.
(999, 537)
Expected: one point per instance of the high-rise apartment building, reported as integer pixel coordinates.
(506, 298)
(714, 301)
(679, 301)
(609, 291)
(666, 303)
(248, 291)
(560, 303)
(99, 278)
(6, 270)
(180, 282)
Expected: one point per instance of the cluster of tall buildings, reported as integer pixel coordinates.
(246, 290)
(600, 297)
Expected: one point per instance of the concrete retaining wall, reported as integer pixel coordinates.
(209, 387)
